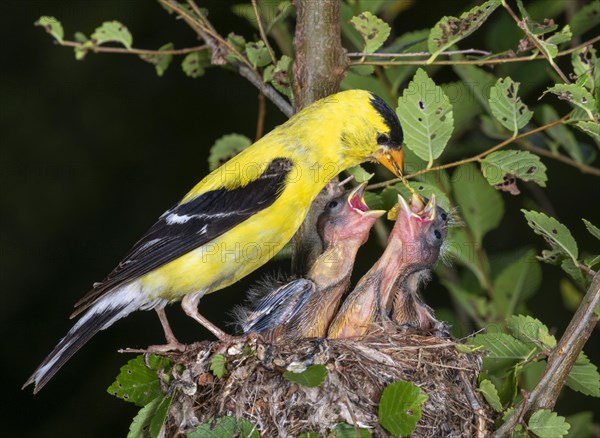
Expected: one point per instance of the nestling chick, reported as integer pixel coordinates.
(304, 308)
(413, 246)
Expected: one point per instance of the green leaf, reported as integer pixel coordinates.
(400, 407)
(501, 166)
(374, 201)
(562, 136)
(507, 107)
(226, 427)
(360, 174)
(550, 45)
(218, 365)
(556, 234)
(490, 393)
(425, 114)
(573, 270)
(571, 296)
(373, 30)
(310, 435)
(161, 62)
(504, 350)
(481, 206)
(478, 81)
(476, 306)
(582, 425)
(52, 26)
(464, 107)
(590, 128)
(137, 383)
(531, 331)
(140, 425)
(313, 376)
(225, 148)
(280, 76)
(547, 424)
(112, 31)
(461, 248)
(593, 229)
(584, 62)
(193, 65)
(160, 416)
(576, 95)
(258, 54)
(586, 18)
(584, 377)
(345, 430)
(516, 283)
(450, 30)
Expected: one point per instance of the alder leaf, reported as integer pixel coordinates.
(556, 234)
(576, 95)
(547, 424)
(112, 31)
(425, 114)
(400, 407)
(52, 26)
(450, 30)
(507, 106)
(373, 30)
(499, 165)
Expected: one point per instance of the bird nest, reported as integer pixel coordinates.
(358, 370)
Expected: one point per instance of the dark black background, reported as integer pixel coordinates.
(93, 151)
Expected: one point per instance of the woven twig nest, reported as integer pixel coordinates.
(358, 370)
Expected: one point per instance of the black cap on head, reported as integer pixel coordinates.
(391, 119)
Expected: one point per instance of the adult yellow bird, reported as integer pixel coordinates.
(236, 218)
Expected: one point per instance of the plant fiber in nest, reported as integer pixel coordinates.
(358, 370)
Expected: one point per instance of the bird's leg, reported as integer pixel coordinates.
(189, 304)
(172, 342)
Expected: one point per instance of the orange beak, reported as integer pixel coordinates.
(393, 159)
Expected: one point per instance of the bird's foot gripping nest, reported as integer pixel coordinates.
(255, 386)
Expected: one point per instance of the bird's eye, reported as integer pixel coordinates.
(444, 216)
(437, 234)
(332, 204)
(383, 139)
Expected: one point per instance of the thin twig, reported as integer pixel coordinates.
(132, 51)
(492, 61)
(415, 54)
(283, 105)
(473, 159)
(261, 30)
(534, 40)
(561, 360)
(584, 168)
(262, 111)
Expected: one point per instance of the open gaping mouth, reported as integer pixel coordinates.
(356, 199)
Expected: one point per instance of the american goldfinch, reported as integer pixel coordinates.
(304, 308)
(414, 245)
(236, 218)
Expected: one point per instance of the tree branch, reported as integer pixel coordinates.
(561, 360)
(534, 40)
(492, 61)
(319, 67)
(473, 159)
(102, 49)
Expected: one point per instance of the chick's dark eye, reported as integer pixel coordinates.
(444, 216)
(332, 204)
(437, 234)
(383, 139)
